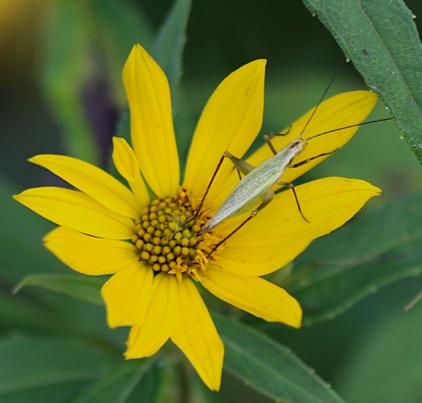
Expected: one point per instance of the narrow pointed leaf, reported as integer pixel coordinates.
(270, 368)
(35, 370)
(85, 91)
(81, 287)
(168, 52)
(63, 78)
(128, 382)
(170, 43)
(121, 26)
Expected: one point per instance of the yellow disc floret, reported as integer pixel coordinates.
(167, 237)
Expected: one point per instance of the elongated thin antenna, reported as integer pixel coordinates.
(324, 94)
(349, 127)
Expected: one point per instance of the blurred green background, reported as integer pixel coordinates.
(372, 352)
(302, 57)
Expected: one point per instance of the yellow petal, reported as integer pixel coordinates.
(88, 255)
(196, 335)
(126, 164)
(230, 121)
(254, 295)
(127, 295)
(93, 181)
(160, 320)
(77, 211)
(279, 233)
(349, 108)
(151, 123)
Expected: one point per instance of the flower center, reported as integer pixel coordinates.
(167, 240)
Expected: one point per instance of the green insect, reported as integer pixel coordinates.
(254, 191)
(255, 187)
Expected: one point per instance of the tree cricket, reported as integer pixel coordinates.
(254, 191)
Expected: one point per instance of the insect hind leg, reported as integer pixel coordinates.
(267, 199)
(241, 166)
(300, 163)
(292, 187)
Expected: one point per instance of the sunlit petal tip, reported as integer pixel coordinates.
(362, 188)
(93, 181)
(294, 319)
(377, 191)
(338, 117)
(89, 255)
(197, 337)
(326, 203)
(339, 111)
(124, 159)
(151, 121)
(32, 159)
(76, 210)
(255, 295)
(230, 121)
(127, 165)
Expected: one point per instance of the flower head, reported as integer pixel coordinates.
(151, 244)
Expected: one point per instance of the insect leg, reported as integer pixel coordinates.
(300, 163)
(208, 187)
(267, 199)
(241, 166)
(292, 187)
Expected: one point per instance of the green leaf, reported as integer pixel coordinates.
(381, 39)
(168, 52)
(269, 367)
(85, 47)
(29, 314)
(170, 43)
(21, 232)
(118, 26)
(131, 381)
(65, 70)
(81, 287)
(366, 254)
(35, 370)
(389, 355)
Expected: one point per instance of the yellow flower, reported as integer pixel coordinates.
(150, 244)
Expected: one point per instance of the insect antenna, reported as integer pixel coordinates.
(321, 99)
(267, 139)
(349, 127)
(303, 162)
